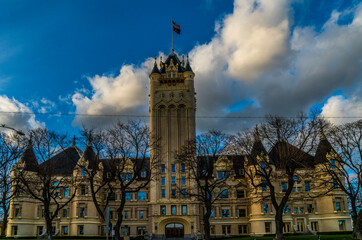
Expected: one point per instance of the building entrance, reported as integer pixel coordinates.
(174, 230)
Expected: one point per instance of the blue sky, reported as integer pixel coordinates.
(63, 56)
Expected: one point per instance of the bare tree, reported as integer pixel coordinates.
(343, 164)
(38, 177)
(199, 156)
(290, 140)
(11, 148)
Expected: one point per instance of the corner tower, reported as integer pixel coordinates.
(172, 112)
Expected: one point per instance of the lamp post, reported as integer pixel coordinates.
(17, 131)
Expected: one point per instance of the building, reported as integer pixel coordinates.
(160, 209)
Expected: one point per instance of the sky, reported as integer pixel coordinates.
(63, 61)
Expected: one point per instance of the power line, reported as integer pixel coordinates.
(147, 116)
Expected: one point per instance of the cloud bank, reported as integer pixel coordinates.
(255, 64)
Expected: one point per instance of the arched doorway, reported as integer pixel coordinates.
(174, 230)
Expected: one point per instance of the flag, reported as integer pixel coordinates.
(176, 27)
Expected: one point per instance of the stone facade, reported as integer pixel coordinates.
(160, 208)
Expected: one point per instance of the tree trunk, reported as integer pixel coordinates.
(356, 234)
(120, 216)
(49, 228)
(279, 225)
(207, 223)
(5, 224)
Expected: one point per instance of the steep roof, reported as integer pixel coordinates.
(176, 61)
(64, 162)
(155, 69)
(188, 67)
(90, 156)
(29, 158)
(323, 148)
(283, 154)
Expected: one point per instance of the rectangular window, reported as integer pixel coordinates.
(183, 192)
(14, 230)
(125, 231)
(142, 214)
(65, 230)
(224, 194)
(315, 226)
(240, 194)
(309, 208)
(226, 229)
(82, 172)
(128, 196)
(183, 168)
(183, 181)
(141, 231)
(242, 212)
(142, 196)
(338, 206)
(83, 189)
(220, 175)
(17, 211)
(163, 181)
(173, 209)
(212, 229)
(299, 189)
(263, 185)
(65, 213)
(295, 210)
(173, 168)
(284, 186)
(126, 215)
(184, 209)
(124, 177)
(333, 164)
(301, 210)
(341, 225)
(81, 211)
(307, 186)
(286, 227)
(129, 176)
(267, 227)
(110, 214)
(173, 193)
(163, 210)
(163, 168)
(173, 181)
(243, 229)
(163, 193)
(335, 184)
(266, 208)
(66, 192)
(81, 229)
(225, 213)
(286, 209)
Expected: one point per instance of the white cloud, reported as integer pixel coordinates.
(10, 117)
(253, 55)
(339, 109)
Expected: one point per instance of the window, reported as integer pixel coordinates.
(65, 230)
(128, 196)
(65, 213)
(225, 213)
(220, 175)
(126, 215)
(124, 177)
(173, 193)
(142, 196)
(223, 175)
(286, 209)
(142, 214)
(307, 186)
(40, 230)
(110, 214)
(293, 189)
(66, 192)
(243, 229)
(81, 229)
(14, 230)
(184, 209)
(129, 176)
(173, 169)
(143, 174)
(224, 194)
(183, 192)
(338, 206)
(17, 211)
(242, 212)
(212, 214)
(295, 178)
(295, 210)
(225, 229)
(81, 211)
(163, 181)
(173, 181)
(183, 169)
(43, 212)
(141, 231)
(212, 229)
(266, 208)
(82, 173)
(333, 164)
(263, 185)
(314, 226)
(299, 189)
(125, 231)
(163, 210)
(163, 168)
(284, 186)
(341, 225)
(240, 194)
(173, 209)
(183, 181)
(268, 227)
(309, 208)
(262, 166)
(301, 210)
(163, 193)
(335, 184)
(83, 189)
(286, 227)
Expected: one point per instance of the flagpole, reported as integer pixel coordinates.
(172, 34)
